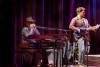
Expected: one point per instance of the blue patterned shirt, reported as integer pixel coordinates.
(26, 33)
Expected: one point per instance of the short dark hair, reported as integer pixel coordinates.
(80, 9)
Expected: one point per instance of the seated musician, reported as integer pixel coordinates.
(30, 29)
(78, 24)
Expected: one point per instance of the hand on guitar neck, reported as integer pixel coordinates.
(93, 27)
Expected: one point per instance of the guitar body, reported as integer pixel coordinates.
(82, 32)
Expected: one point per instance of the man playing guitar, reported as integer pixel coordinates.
(81, 27)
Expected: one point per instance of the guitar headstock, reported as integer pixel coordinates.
(97, 26)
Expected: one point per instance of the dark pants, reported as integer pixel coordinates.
(25, 58)
(31, 57)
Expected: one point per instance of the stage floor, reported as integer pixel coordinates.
(81, 66)
(93, 61)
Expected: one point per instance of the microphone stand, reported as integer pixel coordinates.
(47, 28)
(58, 29)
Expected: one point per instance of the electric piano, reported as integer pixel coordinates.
(47, 36)
(47, 40)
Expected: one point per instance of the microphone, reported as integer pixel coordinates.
(47, 28)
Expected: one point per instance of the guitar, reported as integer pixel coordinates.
(83, 31)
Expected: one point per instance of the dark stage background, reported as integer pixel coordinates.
(6, 33)
(47, 13)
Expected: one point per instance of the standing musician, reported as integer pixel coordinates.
(81, 27)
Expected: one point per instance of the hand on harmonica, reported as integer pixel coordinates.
(32, 26)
